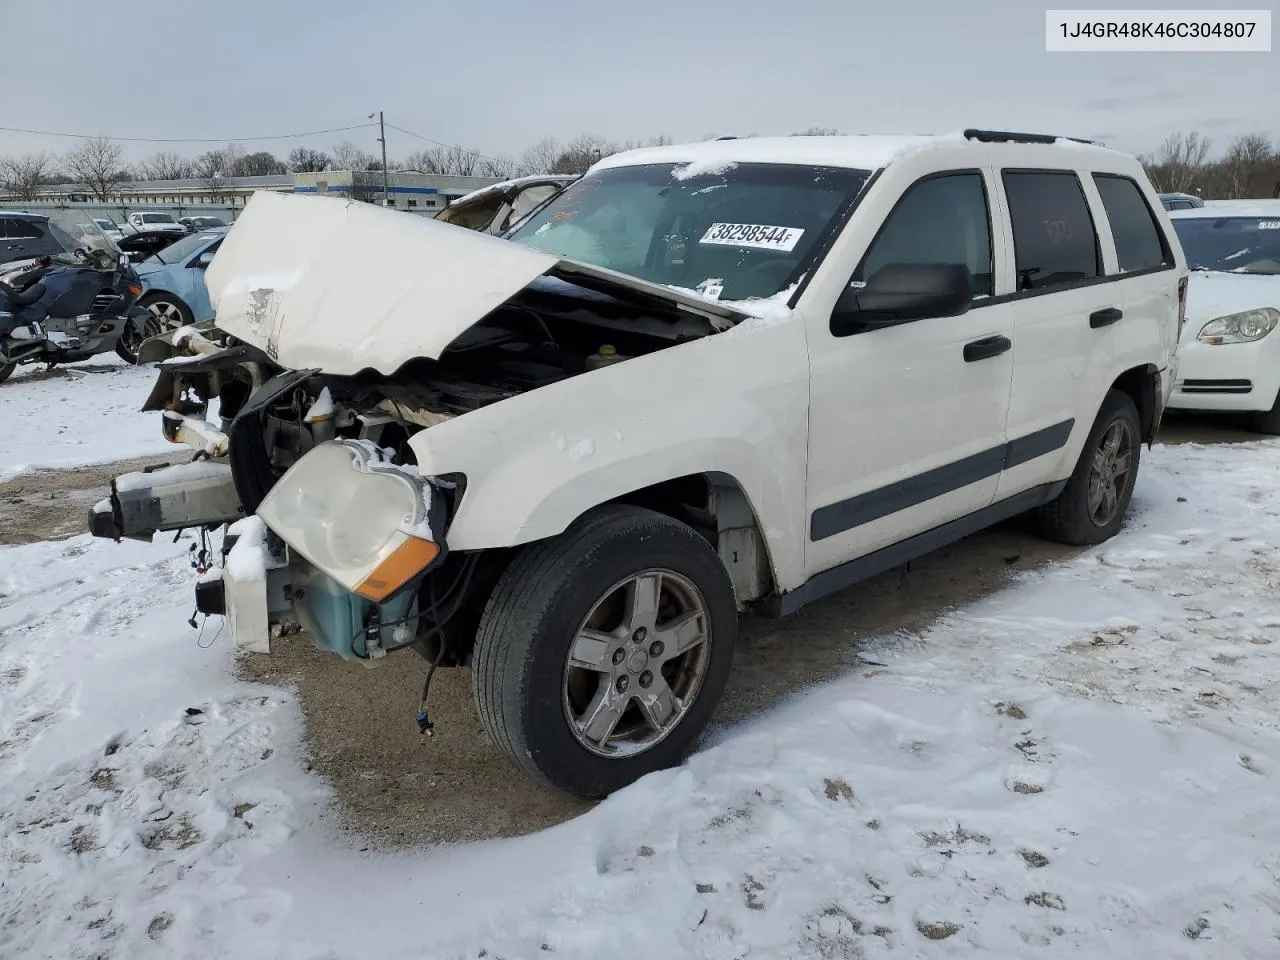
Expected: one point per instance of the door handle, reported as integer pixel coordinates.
(1105, 318)
(986, 347)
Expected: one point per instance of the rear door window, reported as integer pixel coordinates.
(16, 229)
(1139, 242)
(1054, 240)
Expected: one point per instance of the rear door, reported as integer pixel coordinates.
(1061, 295)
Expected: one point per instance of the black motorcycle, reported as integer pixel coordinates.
(72, 305)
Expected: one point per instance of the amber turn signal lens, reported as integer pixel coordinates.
(394, 572)
(135, 291)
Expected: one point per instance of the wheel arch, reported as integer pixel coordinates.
(1142, 385)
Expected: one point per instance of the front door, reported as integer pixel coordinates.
(907, 423)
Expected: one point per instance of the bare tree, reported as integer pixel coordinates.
(818, 132)
(1179, 161)
(1247, 156)
(97, 165)
(540, 157)
(166, 165)
(216, 168)
(579, 154)
(22, 177)
(306, 160)
(347, 156)
(260, 164)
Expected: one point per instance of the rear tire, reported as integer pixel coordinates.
(1086, 512)
(131, 338)
(573, 683)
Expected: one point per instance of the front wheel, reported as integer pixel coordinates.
(168, 313)
(6, 371)
(1267, 421)
(602, 653)
(131, 339)
(1092, 506)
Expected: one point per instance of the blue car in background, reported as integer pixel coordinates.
(174, 291)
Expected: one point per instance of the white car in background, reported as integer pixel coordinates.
(155, 221)
(1229, 355)
(109, 227)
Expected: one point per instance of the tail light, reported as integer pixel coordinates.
(1182, 305)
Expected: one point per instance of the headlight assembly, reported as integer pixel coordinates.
(368, 524)
(1240, 327)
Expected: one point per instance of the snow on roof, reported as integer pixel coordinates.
(1230, 208)
(517, 182)
(860, 152)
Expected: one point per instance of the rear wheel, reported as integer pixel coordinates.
(602, 653)
(168, 313)
(130, 340)
(1092, 506)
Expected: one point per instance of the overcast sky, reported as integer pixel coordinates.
(497, 75)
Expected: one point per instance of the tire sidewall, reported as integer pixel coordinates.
(550, 743)
(1116, 406)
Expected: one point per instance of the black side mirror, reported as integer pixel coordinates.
(902, 292)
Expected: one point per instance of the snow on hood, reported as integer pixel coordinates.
(345, 286)
(1212, 294)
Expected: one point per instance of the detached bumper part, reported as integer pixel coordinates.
(169, 498)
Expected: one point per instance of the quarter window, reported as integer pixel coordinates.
(939, 220)
(1054, 240)
(1133, 226)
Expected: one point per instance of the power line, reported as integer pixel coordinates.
(454, 146)
(279, 136)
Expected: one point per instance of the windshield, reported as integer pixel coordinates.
(207, 222)
(740, 232)
(77, 231)
(157, 218)
(186, 247)
(1231, 244)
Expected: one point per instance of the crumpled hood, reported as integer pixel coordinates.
(345, 286)
(1211, 294)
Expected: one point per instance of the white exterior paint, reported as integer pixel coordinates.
(1212, 295)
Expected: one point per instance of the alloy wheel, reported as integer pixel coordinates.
(1109, 472)
(636, 663)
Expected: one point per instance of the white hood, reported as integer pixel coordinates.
(345, 286)
(1211, 294)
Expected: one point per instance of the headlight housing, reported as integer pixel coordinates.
(1243, 327)
(367, 523)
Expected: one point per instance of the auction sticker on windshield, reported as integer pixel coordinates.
(758, 235)
(1269, 224)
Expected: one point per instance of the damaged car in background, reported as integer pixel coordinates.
(570, 457)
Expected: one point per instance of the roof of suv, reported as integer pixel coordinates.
(23, 215)
(861, 152)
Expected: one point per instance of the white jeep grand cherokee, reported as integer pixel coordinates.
(706, 379)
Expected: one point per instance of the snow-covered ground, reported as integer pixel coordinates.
(77, 415)
(1084, 765)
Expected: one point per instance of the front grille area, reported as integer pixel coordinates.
(1216, 386)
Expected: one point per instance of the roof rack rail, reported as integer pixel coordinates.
(1009, 136)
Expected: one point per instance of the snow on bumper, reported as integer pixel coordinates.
(1227, 377)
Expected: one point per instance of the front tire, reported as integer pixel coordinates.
(1092, 506)
(1268, 421)
(602, 653)
(6, 371)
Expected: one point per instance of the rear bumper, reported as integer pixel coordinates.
(1228, 377)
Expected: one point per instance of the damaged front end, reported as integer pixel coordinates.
(299, 405)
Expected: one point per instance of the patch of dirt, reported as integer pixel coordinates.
(1034, 859)
(54, 504)
(837, 789)
(937, 931)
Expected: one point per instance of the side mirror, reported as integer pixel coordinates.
(204, 259)
(902, 292)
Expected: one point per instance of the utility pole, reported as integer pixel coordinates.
(382, 139)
